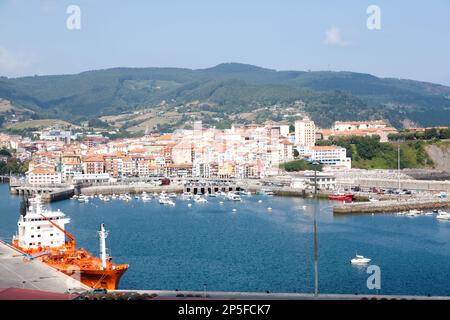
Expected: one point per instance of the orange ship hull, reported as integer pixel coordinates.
(80, 265)
(105, 279)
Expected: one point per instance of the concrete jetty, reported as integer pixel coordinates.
(17, 271)
(391, 206)
(170, 295)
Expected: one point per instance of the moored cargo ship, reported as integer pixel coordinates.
(42, 235)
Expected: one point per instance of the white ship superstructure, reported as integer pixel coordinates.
(36, 229)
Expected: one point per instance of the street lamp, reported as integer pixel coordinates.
(315, 164)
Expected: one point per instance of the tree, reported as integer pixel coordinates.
(5, 152)
(299, 165)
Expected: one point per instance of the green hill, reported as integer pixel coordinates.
(231, 88)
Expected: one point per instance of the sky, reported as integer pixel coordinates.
(413, 41)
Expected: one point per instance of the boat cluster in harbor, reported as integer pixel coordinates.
(439, 214)
(168, 199)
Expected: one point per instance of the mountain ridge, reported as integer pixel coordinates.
(232, 88)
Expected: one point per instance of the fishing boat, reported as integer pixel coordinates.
(341, 196)
(41, 235)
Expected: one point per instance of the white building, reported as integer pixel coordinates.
(327, 155)
(44, 174)
(358, 125)
(93, 178)
(308, 181)
(305, 132)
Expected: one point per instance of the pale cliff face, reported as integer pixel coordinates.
(440, 154)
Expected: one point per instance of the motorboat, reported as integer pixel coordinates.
(172, 195)
(265, 192)
(199, 199)
(360, 260)
(186, 196)
(413, 213)
(234, 197)
(442, 215)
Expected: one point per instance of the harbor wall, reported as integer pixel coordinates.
(420, 185)
(391, 206)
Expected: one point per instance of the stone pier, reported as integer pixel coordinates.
(391, 206)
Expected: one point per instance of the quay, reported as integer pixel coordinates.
(18, 271)
(391, 206)
(171, 295)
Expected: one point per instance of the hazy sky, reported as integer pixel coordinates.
(414, 40)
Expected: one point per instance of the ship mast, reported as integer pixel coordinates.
(103, 234)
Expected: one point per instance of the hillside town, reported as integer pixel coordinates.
(248, 151)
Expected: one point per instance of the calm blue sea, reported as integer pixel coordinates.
(255, 249)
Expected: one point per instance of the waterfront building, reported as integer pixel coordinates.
(308, 181)
(43, 174)
(100, 178)
(327, 155)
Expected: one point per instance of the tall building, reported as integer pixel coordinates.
(305, 132)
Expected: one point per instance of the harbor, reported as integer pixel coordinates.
(219, 242)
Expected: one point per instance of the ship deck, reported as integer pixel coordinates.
(16, 271)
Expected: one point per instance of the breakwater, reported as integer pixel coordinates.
(391, 206)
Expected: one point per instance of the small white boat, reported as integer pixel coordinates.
(163, 200)
(412, 213)
(172, 195)
(200, 199)
(269, 209)
(234, 197)
(170, 203)
(186, 196)
(442, 215)
(360, 260)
